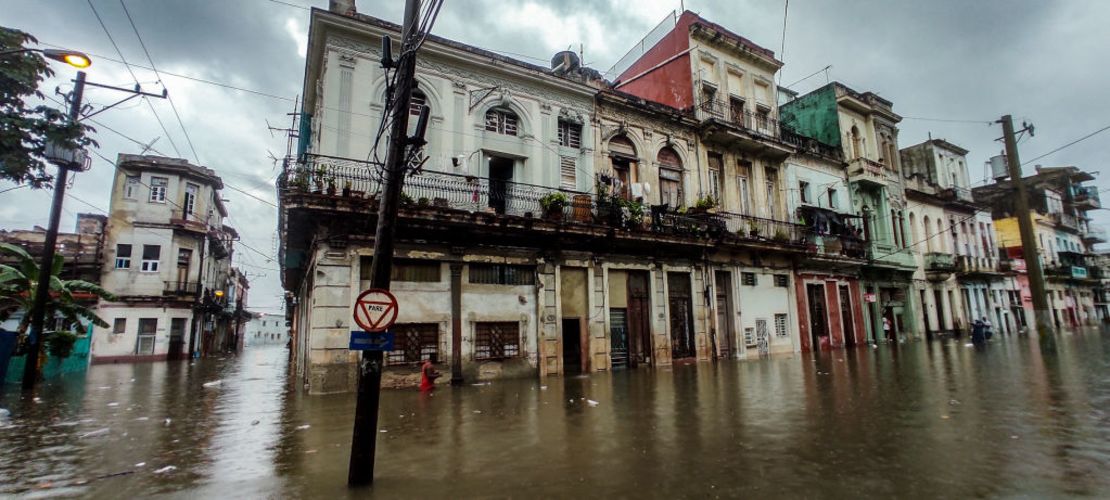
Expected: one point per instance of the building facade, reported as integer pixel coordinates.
(167, 259)
(266, 329)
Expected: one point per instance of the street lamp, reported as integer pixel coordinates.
(71, 57)
(59, 157)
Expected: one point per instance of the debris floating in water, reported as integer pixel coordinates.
(592, 402)
(214, 383)
(303, 427)
(163, 470)
(98, 432)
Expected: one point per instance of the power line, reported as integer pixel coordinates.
(1072, 143)
(123, 60)
(152, 66)
(948, 120)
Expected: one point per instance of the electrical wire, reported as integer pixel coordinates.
(157, 75)
(1072, 143)
(123, 60)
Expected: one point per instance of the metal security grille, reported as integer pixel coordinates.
(501, 121)
(781, 280)
(762, 342)
(497, 340)
(780, 325)
(413, 343)
(570, 134)
(747, 279)
(502, 274)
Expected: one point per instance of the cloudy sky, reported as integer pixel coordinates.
(949, 66)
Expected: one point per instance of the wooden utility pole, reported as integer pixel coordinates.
(1034, 267)
(364, 442)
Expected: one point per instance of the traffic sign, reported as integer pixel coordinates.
(375, 310)
(371, 341)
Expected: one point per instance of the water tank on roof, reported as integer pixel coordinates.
(565, 61)
(999, 170)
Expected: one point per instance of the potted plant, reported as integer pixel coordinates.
(781, 236)
(318, 178)
(635, 213)
(346, 189)
(704, 205)
(440, 203)
(423, 202)
(406, 200)
(300, 181)
(331, 186)
(753, 229)
(553, 205)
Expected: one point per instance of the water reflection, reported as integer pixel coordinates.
(906, 420)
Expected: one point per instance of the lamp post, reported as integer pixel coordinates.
(65, 160)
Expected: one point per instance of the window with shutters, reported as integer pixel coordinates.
(501, 121)
(570, 134)
(670, 178)
(743, 184)
(123, 256)
(780, 325)
(152, 254)
(119, 325)
(567, 173)
(781, 280)
(190, 205)
(496, 340)
(715, 162)
(409, 270)
(147, 329)
(413, 343)
(749, 336)
(502, 274)
(803, 190)
(748, 279)
(131, 187)
(158, 189)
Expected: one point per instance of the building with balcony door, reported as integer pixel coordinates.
(1065, 237)
(167, 258)
(864, 127)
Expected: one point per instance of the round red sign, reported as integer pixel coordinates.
(375, 310)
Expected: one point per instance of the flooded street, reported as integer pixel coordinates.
(918, 420)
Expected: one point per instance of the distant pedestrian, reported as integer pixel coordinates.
(988, 331)
(977, 332)
(428, 374)
(886, 328)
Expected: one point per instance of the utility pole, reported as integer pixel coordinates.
(364, 442)
(46, 265)
(1034, 267)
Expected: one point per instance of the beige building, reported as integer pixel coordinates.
(168, 259)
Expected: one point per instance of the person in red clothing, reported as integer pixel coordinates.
(428, 374)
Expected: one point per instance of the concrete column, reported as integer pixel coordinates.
(456, 323)
(876, 332)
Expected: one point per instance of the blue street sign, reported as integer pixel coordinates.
(371, 341)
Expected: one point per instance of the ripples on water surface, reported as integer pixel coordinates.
(916, 420)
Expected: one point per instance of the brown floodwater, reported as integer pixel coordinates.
(923, 419)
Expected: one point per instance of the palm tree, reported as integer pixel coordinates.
(18, 283)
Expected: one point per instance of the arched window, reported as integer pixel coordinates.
(670, 177)
(502, 121)
(925, 234)
(913, 229)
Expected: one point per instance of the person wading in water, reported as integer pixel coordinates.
(428, 374)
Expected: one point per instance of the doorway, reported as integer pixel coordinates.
(572, 346)
(177, 338)
(939, 297)
(925, 316)
(846, 318)
(682, 315)
(638, 319)
(500, 174)
(725, 335)
(818, 316)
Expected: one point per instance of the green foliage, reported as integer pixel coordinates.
(19, 282)
(25, 130)
(60, 344)
(706, 203)
(553, 199)
(780, 235)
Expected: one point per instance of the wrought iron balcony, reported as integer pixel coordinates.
(757, 123)
(809, 145)
(940, 262)
(1063, 220)
(956, 193)
(180, 288)
(1086, 198)
(967, 265)
(865, 170)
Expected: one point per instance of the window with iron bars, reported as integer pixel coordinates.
(496, 340)
(502, 274)
(781, 280)
(780, 325)
(570, 134)
(413, 343)
(747, 279)
(501, 121)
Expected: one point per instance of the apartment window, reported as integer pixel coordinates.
(131, 187)
(803, 190)
(670, 177)
(780, 325)
(834, 202)
(123, 256)
(709, 94)
(749, 336)
(418, 101)
(781, 280)
(748, 279)
(148, 327)
(763, 118)
(570, 134)
(736, 108)
(568, 177)
(502, 274)
(771, 184)
(413, 343)
(496, 340)
(743, 184)
(715, 162)
(184, 255)
(422, 271)
(501, 121)
(119, 325)
(151, 255)
(190, 198)
(158, 189)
